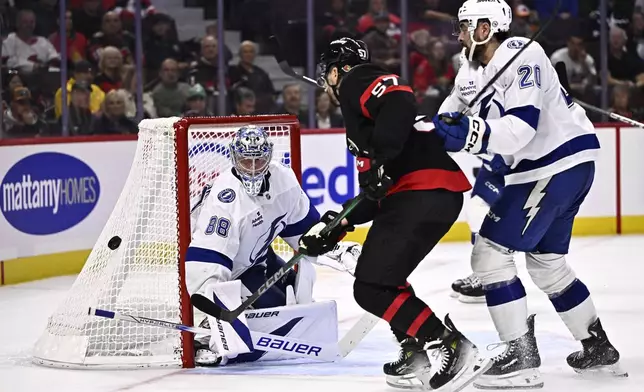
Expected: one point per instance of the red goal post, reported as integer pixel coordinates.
(144, 275)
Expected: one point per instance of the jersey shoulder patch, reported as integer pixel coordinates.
(515, 44)
(227, 195)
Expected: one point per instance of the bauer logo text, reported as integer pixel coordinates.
(285, 345)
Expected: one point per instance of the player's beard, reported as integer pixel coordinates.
(478, 51)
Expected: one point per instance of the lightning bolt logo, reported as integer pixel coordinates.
(534, 201)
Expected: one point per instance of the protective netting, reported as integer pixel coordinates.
(141, 276)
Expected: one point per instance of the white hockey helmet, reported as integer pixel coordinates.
(497, 12)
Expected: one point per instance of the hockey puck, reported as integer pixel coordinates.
(114, 242)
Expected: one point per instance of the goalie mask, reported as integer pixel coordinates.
(251, 153)
(497, 12)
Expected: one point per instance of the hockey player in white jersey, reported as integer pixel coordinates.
(549, 147)
(233, 226)
(487, 189)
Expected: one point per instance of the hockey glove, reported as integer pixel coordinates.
(372, 178)
(469, 134)
(313, 244)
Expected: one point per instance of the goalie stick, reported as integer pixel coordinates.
(261, 341)
(207, 306)
(560, 67)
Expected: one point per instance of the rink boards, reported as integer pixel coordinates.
(57, 194)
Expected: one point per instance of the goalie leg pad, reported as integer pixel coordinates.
(253, 278)
(570, 296)
(316, 322)
(304, 282)
(504, 292)
(228, 339)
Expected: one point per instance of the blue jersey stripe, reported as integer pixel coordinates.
(299, 228)
(529, 114)
(208, 256)
(571, 147)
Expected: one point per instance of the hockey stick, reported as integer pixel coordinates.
(209, 307)
(560, 67)
(500, 72)
(285, 66)
(261, 341)
(354, 336)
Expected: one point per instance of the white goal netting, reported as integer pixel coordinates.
(142, 276)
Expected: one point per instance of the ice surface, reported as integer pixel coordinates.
(612, 268)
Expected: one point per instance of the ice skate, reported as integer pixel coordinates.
(472, 291)
(456, 286)
(458, 362)
(598, 354)
(400, 373)
(517, 367)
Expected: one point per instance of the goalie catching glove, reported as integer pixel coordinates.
(312, 243)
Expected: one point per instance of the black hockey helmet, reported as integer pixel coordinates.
(343, 53)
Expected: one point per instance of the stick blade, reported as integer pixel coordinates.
(207, 306)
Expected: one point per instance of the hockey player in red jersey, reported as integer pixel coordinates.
(414, 195)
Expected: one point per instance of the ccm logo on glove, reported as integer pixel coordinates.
(475, 135)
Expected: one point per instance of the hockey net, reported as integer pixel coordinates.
(175, 158)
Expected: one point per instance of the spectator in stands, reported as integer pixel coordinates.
(10, 81)
(46, 21)
(126, 9)
(129, 82)
(82, 73)
(80, 115)
(112, 119)
(8, 16)
(88, 18)
(337, 21)
(247, 74)
(161, 44)
(580, 66)
(112, 34)
(292, 102)
(636, 38)
(385, 50)
(21, 120)
(434, 72)
(76, 42)
(376, 7)
(624, 67)
(111, 69)
(26, 51)
(204, 69)
(244, 101)
(621, 101)
(196, 102)
(325, 117)
(523, 22)
(170, 95)
(211, 29)
(569, 8)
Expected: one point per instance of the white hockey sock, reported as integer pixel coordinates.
(508, 307)
(576, 308)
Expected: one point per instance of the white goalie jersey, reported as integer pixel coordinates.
(232, 231)
(534, 125)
